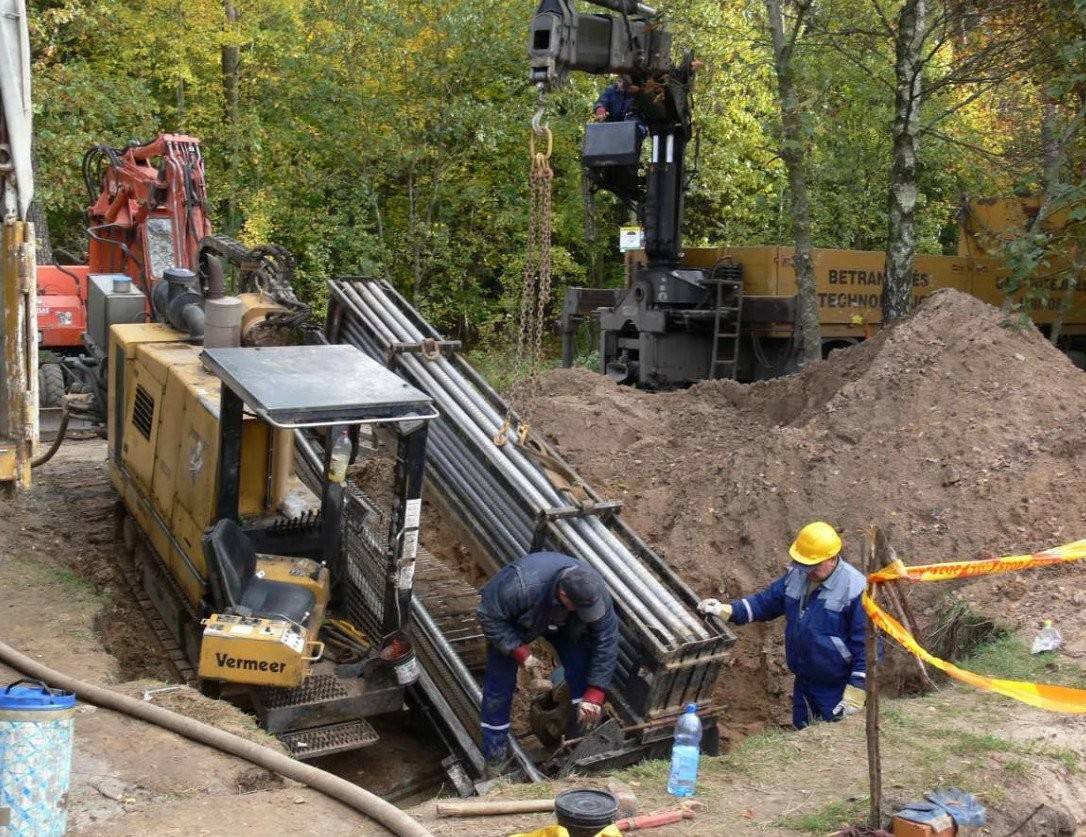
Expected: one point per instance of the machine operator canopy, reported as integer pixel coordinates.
(310, 386)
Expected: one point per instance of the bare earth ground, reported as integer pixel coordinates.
(964, 437)
(960, 436)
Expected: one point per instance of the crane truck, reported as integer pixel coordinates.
(688, 314)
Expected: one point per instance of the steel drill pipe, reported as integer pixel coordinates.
(451, 400)
(607, 550)
(592, 529)
(386, 332)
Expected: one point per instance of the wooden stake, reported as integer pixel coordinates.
(873, 540)
(896, 596)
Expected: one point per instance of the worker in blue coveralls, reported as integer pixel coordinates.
(824, 639)
(616, 104)
(564, 601)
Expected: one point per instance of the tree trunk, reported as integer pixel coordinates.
(908, 96)
(180, 79)
(231, 62)
(793, 152)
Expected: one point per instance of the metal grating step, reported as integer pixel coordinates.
(334, 738)
(317, 688)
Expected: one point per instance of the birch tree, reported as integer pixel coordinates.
(793, 144)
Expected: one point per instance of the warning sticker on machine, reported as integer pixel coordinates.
(412, 514)
(410, 545)
(406, 576)
(631, 238)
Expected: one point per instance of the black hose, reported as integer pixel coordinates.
(62, 431)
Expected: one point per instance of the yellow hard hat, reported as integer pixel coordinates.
(815, 543)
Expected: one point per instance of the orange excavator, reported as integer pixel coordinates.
(148, 212)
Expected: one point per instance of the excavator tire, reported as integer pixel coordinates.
(50, 385)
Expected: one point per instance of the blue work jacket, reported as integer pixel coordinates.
(825, 634)
(618, 103)
(520, 604)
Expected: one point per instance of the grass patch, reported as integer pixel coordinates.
(652, 770)
(35, 573)
(1008, 657)
(1016, 767)
(767, 751)
(829, 818)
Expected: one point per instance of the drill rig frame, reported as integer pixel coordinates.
(673, 324)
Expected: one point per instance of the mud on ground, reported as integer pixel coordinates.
(64, 605)
(961, 436)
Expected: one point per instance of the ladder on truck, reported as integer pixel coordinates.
(727, 275)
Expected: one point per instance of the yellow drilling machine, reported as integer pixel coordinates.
(271, 578)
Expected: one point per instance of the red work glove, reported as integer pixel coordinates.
(601, 114)
(591, 708)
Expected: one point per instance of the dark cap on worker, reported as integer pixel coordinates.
(585, 590)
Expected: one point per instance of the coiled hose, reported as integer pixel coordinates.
(351, 795)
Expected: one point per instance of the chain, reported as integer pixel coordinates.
(537, 262)
(544, 176)
(536, 290)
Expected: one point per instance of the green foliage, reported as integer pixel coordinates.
(380, 136)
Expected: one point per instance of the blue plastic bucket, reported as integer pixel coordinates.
(35, 759)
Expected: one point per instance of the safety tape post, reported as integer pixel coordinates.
(1042, 695)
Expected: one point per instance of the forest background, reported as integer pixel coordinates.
(390, 137)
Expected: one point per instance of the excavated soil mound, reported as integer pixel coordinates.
(959, 435)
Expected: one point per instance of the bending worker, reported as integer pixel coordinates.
(563, 600)
(824, 639)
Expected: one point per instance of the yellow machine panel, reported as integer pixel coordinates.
(849, 283)
(258, 652)
(301, 571)
(164, 452)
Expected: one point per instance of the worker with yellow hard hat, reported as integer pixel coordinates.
(824, 640)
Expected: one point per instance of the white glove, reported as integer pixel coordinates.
(715, 607)
(852, 702)
(530, 676)
(589, 714)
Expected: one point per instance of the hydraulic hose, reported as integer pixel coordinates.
(62, 431)
(361, 800)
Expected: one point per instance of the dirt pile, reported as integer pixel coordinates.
(960, 436)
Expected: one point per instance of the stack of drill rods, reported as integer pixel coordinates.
(461, 678)
(468, 415)
(508, 530)
(589, 537)
(447, 459)
(628, 578)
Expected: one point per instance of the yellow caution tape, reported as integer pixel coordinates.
(989, 566)
(1042, 695)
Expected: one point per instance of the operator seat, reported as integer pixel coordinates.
(237, 589)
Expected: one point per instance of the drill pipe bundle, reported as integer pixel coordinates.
(497, 485)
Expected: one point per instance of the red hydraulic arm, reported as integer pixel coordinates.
(149, 209)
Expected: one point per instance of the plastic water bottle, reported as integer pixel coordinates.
(685, 753)
(340, 458)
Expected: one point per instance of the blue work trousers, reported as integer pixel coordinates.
(500, 682)
(815, 701)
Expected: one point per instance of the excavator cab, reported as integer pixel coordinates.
(283, 591)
